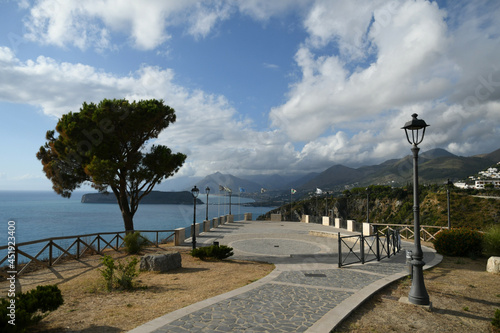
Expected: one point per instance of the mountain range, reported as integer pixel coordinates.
(435, 166)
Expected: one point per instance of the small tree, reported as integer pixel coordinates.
(105, 145)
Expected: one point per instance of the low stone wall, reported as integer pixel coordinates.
(275, 217)
(181, 234)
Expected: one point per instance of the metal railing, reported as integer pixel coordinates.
(362, 249)
(81, 244)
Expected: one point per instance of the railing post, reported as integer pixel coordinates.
(388, 241)
(340, 251)
(156, 238)
(15, 258)
(362, 248)
(50, 252)
(77, 247)
(98, 243)
(377, 239)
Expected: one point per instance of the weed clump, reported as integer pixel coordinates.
(491, 241)
(126, 272)
(134, 242)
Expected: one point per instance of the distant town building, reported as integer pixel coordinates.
(480, 183)
(462, 185)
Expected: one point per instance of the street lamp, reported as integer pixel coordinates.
(230, 192)
(448, 184)
(415, 131)
(194, 191)
(207, 190)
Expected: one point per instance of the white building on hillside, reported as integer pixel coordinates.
(480, 183)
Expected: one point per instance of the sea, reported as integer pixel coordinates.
(43, 214)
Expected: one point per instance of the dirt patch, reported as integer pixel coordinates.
(464, 299)
(89, 308)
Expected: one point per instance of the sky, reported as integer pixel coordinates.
(258, 86)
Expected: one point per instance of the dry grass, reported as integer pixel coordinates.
(89, 308)
(463, 294)
(464, 298)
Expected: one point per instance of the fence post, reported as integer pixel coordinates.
(78, 248)
(362, 248)
(98, 243)
(50, 252)
(340, 251)
(15, 258)
(157, 239)
(377, 239)
(388, 241)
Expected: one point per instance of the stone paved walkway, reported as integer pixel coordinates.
(305, 293)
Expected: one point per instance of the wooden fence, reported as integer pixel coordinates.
(79, 246)
(427, 232)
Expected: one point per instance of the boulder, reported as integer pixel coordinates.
(161, 261)
(493, 265)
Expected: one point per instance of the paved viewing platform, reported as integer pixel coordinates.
(306, 292)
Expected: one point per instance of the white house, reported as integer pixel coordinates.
(480, 183)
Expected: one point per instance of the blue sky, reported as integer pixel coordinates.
(258, 86)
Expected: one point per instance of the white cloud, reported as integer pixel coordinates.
(208, 129)
(365, 66)
(410, 60)
(85, 24)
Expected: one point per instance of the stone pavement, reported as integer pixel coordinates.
(305, 293)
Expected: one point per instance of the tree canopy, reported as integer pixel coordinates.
(107, 145)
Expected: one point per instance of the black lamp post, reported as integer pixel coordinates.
(448, 184)
(230, 192)
(415, 131)
(207, 190)
(194, 191)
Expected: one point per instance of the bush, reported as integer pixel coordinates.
(126, 273)
(108, 271)
(459, 243)
(491, 241)
(214, 251)
(496, 319)
(29, 307)
(134, 242)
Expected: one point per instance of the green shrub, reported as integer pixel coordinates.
(491, 241)
(459, 243)
(134, 242)
(127, 273)
(30, 308)
(108, 271)
(214, 252)
(496, 319)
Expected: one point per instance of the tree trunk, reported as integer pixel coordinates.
(128, 216)
(128, 221)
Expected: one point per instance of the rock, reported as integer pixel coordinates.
(493, 265)
(161, 261)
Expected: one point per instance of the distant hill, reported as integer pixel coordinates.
(435, 166)
(234, 183)
(334, 176)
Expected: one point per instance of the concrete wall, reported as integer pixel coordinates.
(325, 220)
(180, 234)
(275, 217)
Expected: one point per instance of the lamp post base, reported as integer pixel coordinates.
(405, 300)
(418, 294)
